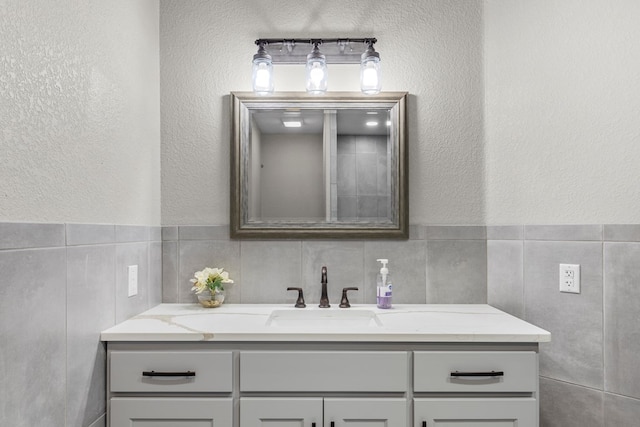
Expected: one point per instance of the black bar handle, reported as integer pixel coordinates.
(424, 424)
(457, 374)
(313, 424)
(333, 424)
(168, 374)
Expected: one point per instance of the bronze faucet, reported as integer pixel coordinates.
(300, 301)
(344, 303)
(324, 299)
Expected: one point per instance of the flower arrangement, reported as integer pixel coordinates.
(211, 279)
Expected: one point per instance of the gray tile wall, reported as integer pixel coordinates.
(362, 178)
(60, 285)
(448, 267)
(589, 371)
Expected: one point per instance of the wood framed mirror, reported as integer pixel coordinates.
(327, 167)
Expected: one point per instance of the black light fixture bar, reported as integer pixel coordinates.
(337, 50)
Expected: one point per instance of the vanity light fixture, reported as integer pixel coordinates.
(372, 123)
(334, 50)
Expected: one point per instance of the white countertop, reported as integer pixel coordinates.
(252, 323)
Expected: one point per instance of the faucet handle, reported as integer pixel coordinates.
(344, 303)
(300, 301)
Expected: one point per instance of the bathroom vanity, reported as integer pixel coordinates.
(274, 365)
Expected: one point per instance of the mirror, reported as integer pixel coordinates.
(331, 166)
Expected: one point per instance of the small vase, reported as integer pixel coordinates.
(211, 300)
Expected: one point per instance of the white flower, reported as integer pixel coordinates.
(225, 277)
(211, 279)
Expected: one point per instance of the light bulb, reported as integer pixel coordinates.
(369, 77)
(262, 82)
(316, 73)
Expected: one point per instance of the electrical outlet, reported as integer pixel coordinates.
(133, 280)
(570, 278)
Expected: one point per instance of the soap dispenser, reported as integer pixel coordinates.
(384, 285)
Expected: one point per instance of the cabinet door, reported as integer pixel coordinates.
(171, 412)
(280, 412)
(370, 412)
(476, 412)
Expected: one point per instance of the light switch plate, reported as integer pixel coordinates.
(133, 280)
(570, 278)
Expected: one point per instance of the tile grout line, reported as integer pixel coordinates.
(426, 269)
(66, 331)
(149, 272)
(301, 265)
(523, 293)
(572, 384)
(604, 341)
(177, 273)
(240, 263)
(115, 283)
(604, 317)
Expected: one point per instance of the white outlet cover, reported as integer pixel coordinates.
(569, 278)
(133, 280)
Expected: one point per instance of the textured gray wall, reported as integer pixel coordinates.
(561, 111)
(80, 111)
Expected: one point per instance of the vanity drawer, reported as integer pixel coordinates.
(462, 371)
(170, 371)
(320, 371)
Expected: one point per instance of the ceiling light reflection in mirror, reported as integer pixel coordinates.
(349, 122)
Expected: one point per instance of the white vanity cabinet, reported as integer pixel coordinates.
(302, 384)
(179, 365)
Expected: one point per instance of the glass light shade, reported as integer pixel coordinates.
(370, 75)
(262, 76)
(316, 72)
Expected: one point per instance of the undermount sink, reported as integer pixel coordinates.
(325, 318)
